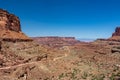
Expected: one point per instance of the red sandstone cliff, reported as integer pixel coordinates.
(117, 32)
(116, 35)
(10, 26)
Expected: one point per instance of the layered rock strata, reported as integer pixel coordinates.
(10, 28)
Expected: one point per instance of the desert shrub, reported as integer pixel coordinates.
(115, 76)
(112, 77)
(85, 75)
(61, 75)
(98, 77)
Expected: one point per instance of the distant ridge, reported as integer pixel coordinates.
(86, 39)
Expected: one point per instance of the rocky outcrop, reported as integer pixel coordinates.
(117, 32)
(9, 21)
(10, 26)
(116, 35)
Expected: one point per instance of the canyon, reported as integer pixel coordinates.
(53, 57)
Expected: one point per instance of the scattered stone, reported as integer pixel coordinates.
(114, 50)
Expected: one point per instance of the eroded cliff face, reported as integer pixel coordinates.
(116, 35)
(10, 26)
(117, 32)
(9, 21)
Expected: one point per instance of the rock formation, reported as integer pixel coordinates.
(10, 27)
(117, 32)
(116, 35)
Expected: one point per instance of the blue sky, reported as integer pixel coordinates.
(78, 18)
